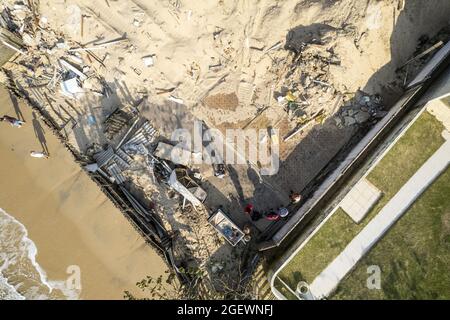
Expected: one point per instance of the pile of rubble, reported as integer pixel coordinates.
(306, 85)
(134, 160)
(119, 159)
(194, 240)
(52, 60)
(361, 109)
(61, 74)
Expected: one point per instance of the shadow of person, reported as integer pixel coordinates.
(15, 104)
(40, 134)
(234, 176)
(254, 177)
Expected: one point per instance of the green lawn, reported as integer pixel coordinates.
(288, 294)
(420, 141)
(412, 150)
(414, 256)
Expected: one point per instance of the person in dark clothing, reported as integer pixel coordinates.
(248, 209)
(12, 121)
(254, 215)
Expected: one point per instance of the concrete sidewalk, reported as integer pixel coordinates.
(324, 284)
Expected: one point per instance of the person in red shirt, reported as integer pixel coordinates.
(272, 216)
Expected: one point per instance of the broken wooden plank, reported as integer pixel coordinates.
(72, 68)
(13, 47)
(296, 131)
(274, 47)
(255, 117)
(424, 53)
(303, 125)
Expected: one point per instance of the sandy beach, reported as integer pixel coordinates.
(68, 218)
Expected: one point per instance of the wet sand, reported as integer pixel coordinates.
(69, 219)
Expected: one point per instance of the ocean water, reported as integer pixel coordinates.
(21, 277)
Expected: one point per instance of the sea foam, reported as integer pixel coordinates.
(21, 277)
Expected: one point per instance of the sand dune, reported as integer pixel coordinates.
(68, 218)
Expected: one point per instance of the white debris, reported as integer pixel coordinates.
(72, 68)
(263, 138)
(91, 167)
(281, 99)
(136, 22)
(43, 21)
(61, 44)
(38, 154)
(27, 39)
(72, 88)
(75, 59)
(175, 99)
(148, 61)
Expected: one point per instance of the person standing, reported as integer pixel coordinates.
(254, 215)
(12, 121)
(272, 216)
(295, 197)
(248, 209)
(283, 212)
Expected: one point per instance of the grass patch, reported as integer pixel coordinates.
(410, 152)
(326, 244)
(280, 287)
(413, 256)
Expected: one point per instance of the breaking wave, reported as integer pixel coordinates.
(21, 277)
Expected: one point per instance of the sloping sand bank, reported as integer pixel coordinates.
(68, 218)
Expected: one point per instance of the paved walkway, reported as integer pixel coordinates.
(324, 284)
(360, 200)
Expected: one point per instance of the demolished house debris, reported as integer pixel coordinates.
(123, 106)
(226, 227)
(180, 181)
(10, 45)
